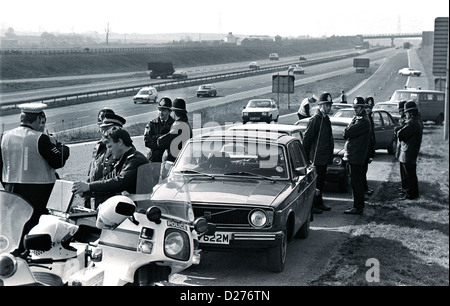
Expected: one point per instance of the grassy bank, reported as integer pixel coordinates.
(409, 238)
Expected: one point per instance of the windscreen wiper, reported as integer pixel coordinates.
(251, 174)
(197, 172)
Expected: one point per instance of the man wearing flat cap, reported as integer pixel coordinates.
(179, 134)
(153, 130)
(28, 160)
(410, 136)
(102, 161)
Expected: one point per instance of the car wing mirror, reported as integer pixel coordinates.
(301, 171)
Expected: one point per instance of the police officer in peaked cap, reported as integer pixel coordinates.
(153, 130)
(357, 135)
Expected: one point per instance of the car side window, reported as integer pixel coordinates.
(377, 119)
(385, 119)
(297, 157)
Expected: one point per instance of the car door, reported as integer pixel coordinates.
(380, 131)
(304, 185)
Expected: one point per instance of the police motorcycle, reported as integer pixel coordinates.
(117, 244)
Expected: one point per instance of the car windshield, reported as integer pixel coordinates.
(345, 113)
(144, 92)
(205, 87)
(391, 108)
(262, 104)
(405, 96)
(211, 158)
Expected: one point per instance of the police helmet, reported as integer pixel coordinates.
(359, 101)
(165, 103)
(325, 97)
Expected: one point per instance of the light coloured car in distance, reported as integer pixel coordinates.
(298, 70)
(146, 95)
(292, 67)
(254, 65)
(274, 57)
(207, 90)
(409, 71)
(260, 110)
(179, 74)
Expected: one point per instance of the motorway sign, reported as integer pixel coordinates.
(283, 83)
(440, 46)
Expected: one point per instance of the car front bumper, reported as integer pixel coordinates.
(246, 240)
(256, 118)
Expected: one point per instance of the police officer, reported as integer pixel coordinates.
(319, 146)
(305, 107)
(153, 130)
(102, 160)
(357, 134)
(180, 132)
(370, 102)
(410, 136)
(401, 121)
(28, 160)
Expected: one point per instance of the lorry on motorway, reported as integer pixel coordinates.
(160, 69)
(406, 45)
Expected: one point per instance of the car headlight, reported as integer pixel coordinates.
(337, 161)
(176, 244)
(258, 218)
(8, 265)
(265, 113)
(244, 114)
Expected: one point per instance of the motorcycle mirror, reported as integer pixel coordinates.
(38, 242)
(125, 208)
(201, 225)
(211, 229)
(154, 214)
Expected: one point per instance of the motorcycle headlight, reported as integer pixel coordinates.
(8, 265)
(258, 218)
(176, 244)
(337, 161)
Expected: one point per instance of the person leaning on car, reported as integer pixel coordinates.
(410, 136)
(357, 134)
(155, 128)
(124, 174)
(319, 146)
(304, 109)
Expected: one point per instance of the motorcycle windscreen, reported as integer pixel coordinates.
(14, 213)
(61, 197)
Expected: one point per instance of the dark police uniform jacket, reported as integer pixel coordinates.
(357, 134)
(153, 130)
(174, 140)
(325, 146)
(410, 136)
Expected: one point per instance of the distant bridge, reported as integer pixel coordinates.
(391, 36)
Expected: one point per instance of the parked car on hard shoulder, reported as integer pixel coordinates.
(207, 90)
(431, 103)
(254, 65)
(179, 74)
(390, 107)
(260, 110)
(334, 108)
(274, 57)
(409, 72)
(287, 129)
(257, 189)
(146, 95)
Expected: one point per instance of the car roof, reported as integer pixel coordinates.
(266, 127)
(419, 90)
(245, 136)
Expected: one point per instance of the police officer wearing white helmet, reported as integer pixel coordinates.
(28, 159)
(357, 134)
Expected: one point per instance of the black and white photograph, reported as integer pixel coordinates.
(228, 151)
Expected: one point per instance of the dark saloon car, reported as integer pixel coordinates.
(390, 107)
(207, 90)
(256, 187)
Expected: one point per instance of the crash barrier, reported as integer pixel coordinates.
(54, 101)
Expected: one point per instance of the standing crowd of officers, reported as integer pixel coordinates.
(29, 156)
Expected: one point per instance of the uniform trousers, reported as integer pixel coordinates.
(321, 174)
(411, 181)
(356, 178)
(403, 177)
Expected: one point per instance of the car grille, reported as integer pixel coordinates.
(223, 216)
(255, 114)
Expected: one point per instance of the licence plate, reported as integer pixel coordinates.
(254, 118)
(217, 238)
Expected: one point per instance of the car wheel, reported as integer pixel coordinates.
(303, 232)
(198, 96)
(276, 256)
(134, 102)
(392, 147)
(276, 120)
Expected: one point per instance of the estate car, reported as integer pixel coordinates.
(256, 187)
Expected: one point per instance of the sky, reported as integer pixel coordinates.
(287, 18)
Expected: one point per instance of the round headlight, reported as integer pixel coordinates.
(337, 161)
(258, 218)
(8, 265)
(173, 243)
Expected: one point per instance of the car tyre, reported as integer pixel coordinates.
(439, 120)
(276, 120)
(198, 96)
(392, 147)
(276, 256)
